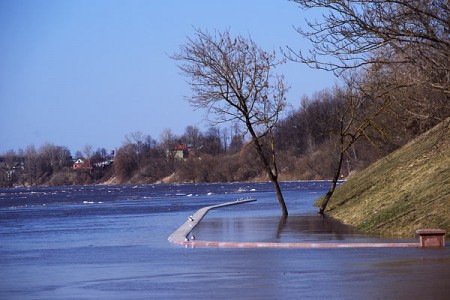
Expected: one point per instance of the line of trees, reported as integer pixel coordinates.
(143, 159)
(139, 159)
(307, 141)
(48, 165)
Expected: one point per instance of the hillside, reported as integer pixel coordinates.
(407, 190)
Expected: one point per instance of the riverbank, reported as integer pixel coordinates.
(405, 191)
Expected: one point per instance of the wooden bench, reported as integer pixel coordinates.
(432, 238)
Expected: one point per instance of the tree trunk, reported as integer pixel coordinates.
(274, 179)
(280, 198)
(333, 184)
(273, 176)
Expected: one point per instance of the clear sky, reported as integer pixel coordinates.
(78, 72)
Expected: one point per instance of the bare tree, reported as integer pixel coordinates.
(8, 162)
(359, 106)
(125, 162)
(54, 157)
(409, 40)
(138, 139)
(87, 151)
(236, 140)
(192, 136)
(395, 46)
(355, 33)
(233, 79)
(31, 165)
(211, 142)
(167, 138)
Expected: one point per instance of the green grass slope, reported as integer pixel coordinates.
(407, 190)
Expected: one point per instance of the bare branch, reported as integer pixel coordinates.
(358, 34)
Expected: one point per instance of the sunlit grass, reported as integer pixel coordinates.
(407, 190)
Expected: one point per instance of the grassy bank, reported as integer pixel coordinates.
(407, 190)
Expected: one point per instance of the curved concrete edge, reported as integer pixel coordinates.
(180, 235)
(194, 244)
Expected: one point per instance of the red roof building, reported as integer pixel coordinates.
(80, 164)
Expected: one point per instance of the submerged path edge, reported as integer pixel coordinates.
(180, 236)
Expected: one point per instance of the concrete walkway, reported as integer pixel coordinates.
(181, 236)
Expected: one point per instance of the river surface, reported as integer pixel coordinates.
(110, 242)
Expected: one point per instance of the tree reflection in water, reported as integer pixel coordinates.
(294, 228)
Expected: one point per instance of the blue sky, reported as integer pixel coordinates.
(83, 72)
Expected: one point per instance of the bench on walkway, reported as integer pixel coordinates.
(432, 238)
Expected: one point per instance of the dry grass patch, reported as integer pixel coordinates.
(407, 190)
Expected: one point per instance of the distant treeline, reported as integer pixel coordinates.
(306, 144)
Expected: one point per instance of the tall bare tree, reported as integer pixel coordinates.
(192, 136)
(409, 39)
(233, 79)
(395, 46)
(31, 165)
(357, 33)
(359, 107)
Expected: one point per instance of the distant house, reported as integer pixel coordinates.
(179, 152)
(81, 164)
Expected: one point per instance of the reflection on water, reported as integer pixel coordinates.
(295, 229)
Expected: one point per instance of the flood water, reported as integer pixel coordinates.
(110, 242)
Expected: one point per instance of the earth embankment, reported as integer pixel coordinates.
(405, 191)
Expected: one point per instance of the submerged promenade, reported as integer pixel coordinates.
(183, 236)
